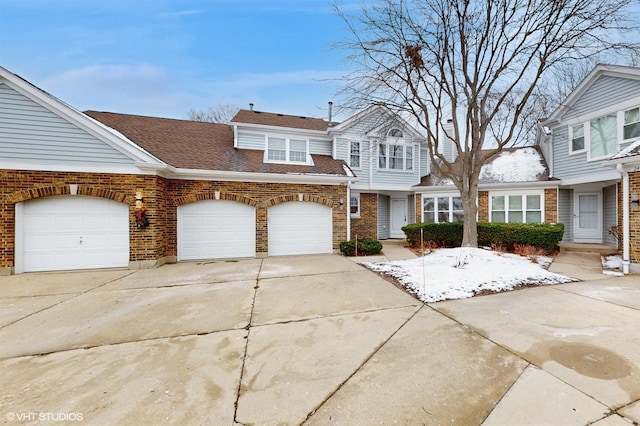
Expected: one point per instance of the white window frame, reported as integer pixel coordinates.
(435, 197)
(287, 159)
(356, 196)
(404, 147)
(623, 124)
(584, 138)
(523, 195)
(359, 155)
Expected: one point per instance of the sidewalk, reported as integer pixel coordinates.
(391, 250)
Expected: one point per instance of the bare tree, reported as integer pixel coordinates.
(223, 113)
(477, 62)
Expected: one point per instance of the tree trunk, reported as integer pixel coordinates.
(469, 194)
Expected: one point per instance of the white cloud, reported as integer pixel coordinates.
(139, 89)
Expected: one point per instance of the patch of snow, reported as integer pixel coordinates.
(629, 151)
(520, 165)
(459, 273)
(612, 262)
(612, 273)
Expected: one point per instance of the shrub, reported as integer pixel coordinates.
(366, 247)
(544, 236)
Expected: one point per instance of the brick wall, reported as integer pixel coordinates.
(157, 243)
(551, 205)
(483, 206)
(634, 217)
(366, 226)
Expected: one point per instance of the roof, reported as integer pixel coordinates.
(512, 165)
(204, 146)
(633, 150)
(279, 120)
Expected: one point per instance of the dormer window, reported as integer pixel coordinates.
(287, 150)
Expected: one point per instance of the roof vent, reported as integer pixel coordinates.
(250, 107)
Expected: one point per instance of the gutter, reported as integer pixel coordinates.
(626, 258)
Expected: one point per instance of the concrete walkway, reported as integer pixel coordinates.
(313, 340)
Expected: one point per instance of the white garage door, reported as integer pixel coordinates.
(300, 228)
(216, 229)
(71, 232)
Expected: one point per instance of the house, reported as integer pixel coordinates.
(99, 189)
(590, 143)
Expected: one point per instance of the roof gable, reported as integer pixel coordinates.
(601, 70)
(91, 131)
(376, 121)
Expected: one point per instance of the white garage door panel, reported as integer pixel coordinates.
(300, 228)
(74, 232)
(216, 229)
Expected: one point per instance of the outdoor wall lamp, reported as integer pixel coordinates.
(139, 199)
(341, 203)
(635, 202)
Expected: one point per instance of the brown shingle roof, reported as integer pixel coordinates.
(279, 120)
(203, 146)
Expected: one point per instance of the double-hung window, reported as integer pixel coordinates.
(442, 208)
(354, 205)
(631, 127)
(520, 208)
(577, 138)
(354, 155)
(285, 150)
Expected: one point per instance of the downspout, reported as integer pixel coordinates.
(625, 219)
(348, 207)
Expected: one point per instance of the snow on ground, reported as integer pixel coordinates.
(459, 273)
(612, 265)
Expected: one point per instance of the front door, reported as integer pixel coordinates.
(398, 217)
(588, 217)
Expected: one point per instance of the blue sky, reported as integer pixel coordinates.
(164, 57)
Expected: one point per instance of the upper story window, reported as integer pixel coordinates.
(354, 155)
(631, 127)
(287, 150)
(577, 138)
(603, 140)
(443, 208)
(394, 154)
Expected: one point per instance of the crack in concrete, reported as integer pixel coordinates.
(362, 364)
(246, 346)
(593, 298)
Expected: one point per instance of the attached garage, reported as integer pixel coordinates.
(71, 232)
(216, 229)
(298, 227)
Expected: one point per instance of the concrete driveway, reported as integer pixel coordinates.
(312, 339)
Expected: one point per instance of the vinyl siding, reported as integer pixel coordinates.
(320, 147)
(30, 133)
(411, 202)
(565, 212)
(248, 140)
(384, 217)
(605, 92)
(610, 217)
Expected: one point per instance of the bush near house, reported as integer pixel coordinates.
(366, 247)
(542, 235)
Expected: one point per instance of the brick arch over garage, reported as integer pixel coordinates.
(299, 197)
(56, 190)
(214, 195)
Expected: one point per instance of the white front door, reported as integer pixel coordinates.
(398, 217)
(588, 217)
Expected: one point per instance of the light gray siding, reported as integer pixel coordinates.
(571, 166)
(411, 202)
(565, 212)
(603, 93)
(320, 147)
(424, 162)
(384, 217)
(30, 133)
(248, 140)
(610, 217)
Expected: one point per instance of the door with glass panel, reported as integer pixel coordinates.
(588, 217)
